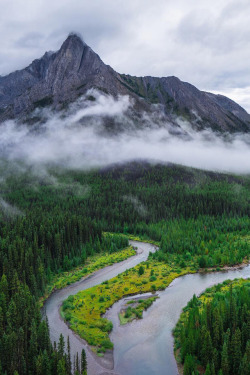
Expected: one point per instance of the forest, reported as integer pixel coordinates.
(212, 335)
(51, 223)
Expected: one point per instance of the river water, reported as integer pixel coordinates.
(142, 347)
(53, 303)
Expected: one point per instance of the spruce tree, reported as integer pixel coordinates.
(83, 362)
(236, 351)
(68, 358)
(225, 360)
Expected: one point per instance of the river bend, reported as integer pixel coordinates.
(142, 347)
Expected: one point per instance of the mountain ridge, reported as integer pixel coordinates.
(59, 78)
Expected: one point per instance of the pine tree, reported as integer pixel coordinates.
(33, 345)
(236, 351)
(77, 364)
(68, 361)
(4, 287)
(61, 368)
(61, 346)
(224, 360)
(245, 363)
(189, 365)
(207, 349)
(83, 362)
(208, 370)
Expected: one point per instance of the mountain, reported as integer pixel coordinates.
(59, 78)
(183, 99)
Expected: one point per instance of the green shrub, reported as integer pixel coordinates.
(67, 317)
(107, 344)
(70, 298)
(202, 262)
(141, 270)
(128, 313)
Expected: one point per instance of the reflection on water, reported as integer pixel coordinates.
(145, 346)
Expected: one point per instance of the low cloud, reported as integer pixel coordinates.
(79, 140)
(8, 210)
(138, 206)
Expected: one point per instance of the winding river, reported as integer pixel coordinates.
(143, 347)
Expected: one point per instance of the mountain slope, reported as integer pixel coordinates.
(56, 78)
(182, 98)
(61, 77)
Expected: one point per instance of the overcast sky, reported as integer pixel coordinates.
(204, 42)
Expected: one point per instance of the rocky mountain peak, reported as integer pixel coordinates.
(58, 78)
(72, 42)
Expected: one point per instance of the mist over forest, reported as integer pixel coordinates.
(81, 138)
(117, 177)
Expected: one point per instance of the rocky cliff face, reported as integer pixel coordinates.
(183, 99)
(55, 79)
(61, 77)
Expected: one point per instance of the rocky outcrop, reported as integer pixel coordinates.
(55, 79)
(59, 78)
(183, 99)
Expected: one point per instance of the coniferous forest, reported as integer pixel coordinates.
(213, 331)
(51, 223)
(124, 187)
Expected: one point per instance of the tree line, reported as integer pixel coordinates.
(214, 334)
(54, 225)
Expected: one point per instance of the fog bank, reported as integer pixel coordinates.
(78, 140)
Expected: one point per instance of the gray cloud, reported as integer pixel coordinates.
(203, 43)
(29, 41)
(71, 142)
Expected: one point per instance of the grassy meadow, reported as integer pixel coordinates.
(84, 311)
(92, 264)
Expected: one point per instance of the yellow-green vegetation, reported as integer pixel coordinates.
(134, 309)
(142, 238)
(84, 311)
(92, 264)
